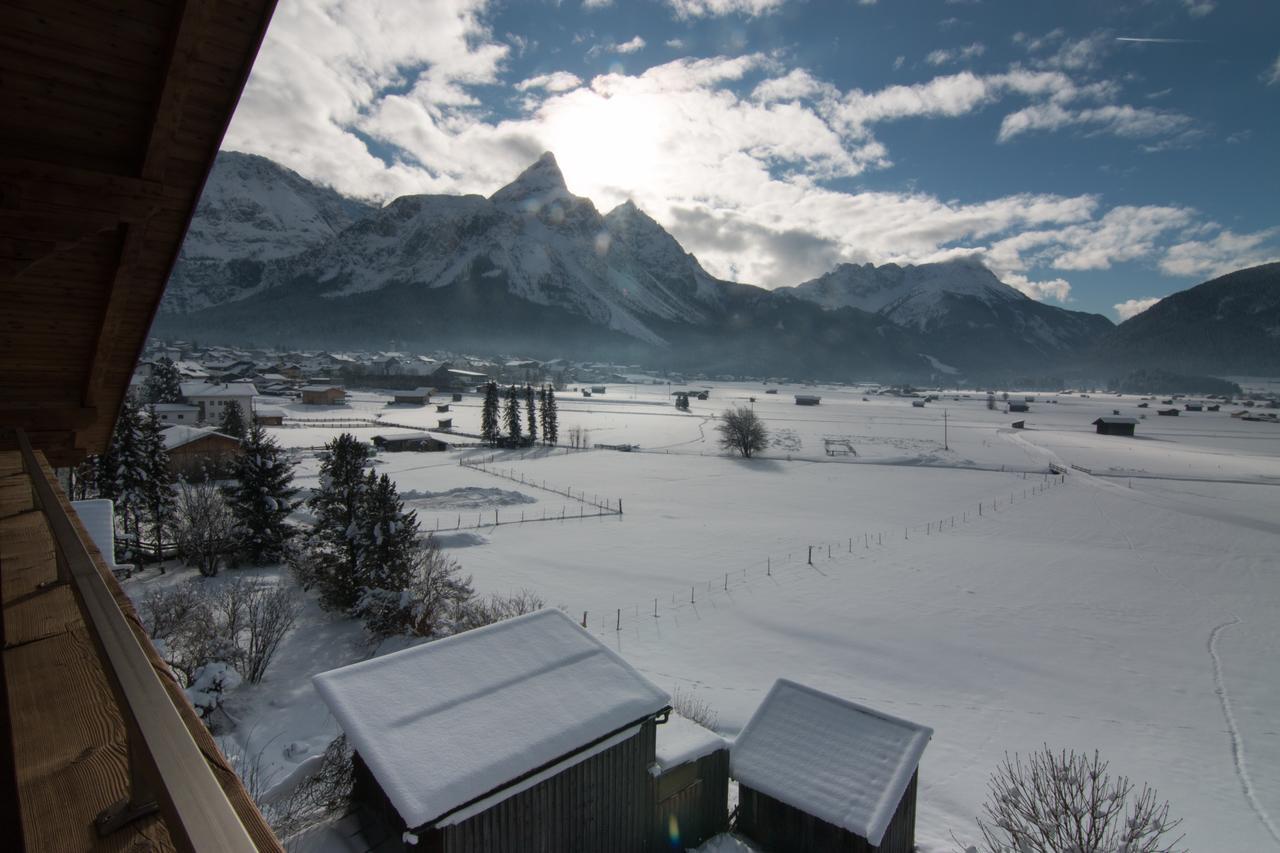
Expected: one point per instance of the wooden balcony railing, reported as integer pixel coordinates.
(168, 770)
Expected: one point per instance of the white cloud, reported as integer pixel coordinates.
(1133, 307)
(898, 61)
(632, 45)
(675, 44)
(1058, 289)
(1272, 75)
(1221, 254)
(556, 81)
(1118, 119)
(596, 4)
(796, 84)
(719, 8)
(957, 54)
(1199, 8)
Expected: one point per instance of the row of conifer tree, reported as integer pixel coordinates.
(500, 418)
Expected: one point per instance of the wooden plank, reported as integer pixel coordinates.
(196, 810)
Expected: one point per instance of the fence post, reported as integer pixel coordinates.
(768, 566)
(619, 627)
(584, 619)
(655, 608)
(691, 595)
(726, 581)
(811, 555)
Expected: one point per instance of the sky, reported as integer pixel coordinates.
(1095, 155)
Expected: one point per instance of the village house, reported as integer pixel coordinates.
(269, 416)
(820, 773)
(403, 442)
(449, 378)
(212, 399)
(176, 413)
(460, 743)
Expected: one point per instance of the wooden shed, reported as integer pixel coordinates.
(409, 441)
(414, 397)
(1111, 425)
(820, 773)
(323, 395)
(1168, 413)
(807, 400)
(1018, 406)
(693, 785)
(529, 734)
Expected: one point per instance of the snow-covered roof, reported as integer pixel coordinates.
(177, 436)
(98, 518)
(416, 392)
(834, 759)
(446, 722)
(320, 388)
(174, 407)
(1111, 419)
(460, 372)
(214, 389)
(681, 740)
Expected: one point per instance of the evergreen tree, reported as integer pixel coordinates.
(262, 498)
(333, 551)
(551, 424)
(531, 413)
(163, 385)
(157, 501)
(128, 475)
(542, 410)
(387, 539)
(232, 421)
(489, 414)
(511, 414)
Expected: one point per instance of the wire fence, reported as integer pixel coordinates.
(605, 504)
(805, 560)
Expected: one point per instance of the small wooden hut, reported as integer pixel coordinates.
(1112, 425)
(819, 773)
(528, 734)
(807, 400)
(409, 441)
(413, 397)
(693, 785)
(323, 395)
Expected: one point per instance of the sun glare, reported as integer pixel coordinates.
(608, 148)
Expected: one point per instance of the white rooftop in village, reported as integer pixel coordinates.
(217, 389)
(834, 759)
(446, 722)
(179, 435)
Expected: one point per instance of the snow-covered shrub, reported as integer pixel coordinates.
(182, 624)
(479, 612)
(1067, 802)
(208, 684)
(323, 794)
(253, 618)
(432, 604)
(691, 706)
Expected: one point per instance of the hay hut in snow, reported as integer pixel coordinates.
(819, 773)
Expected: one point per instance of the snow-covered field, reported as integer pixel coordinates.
(1131, 609)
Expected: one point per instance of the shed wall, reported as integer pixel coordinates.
(696, 795)
(781, 828)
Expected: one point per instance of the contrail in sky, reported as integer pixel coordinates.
(1158, 41)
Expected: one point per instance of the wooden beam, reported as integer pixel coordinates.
(38, 417)
(184, 54)
(71, 194)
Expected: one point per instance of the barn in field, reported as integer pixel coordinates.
(819, 773)
(807, 400)
(1017, 406)
(529, 734)
(413, 397)
(409, 441)
(693, 785)
(323, 395)
(1115, 425)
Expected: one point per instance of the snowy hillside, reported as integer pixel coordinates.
(960, 304)
(252, 210)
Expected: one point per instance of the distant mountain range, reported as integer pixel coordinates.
(274, 259)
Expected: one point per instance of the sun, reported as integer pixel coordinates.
(608, 147)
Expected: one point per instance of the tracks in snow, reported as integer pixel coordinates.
(1237, 744)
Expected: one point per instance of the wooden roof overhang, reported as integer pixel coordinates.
(111, 113)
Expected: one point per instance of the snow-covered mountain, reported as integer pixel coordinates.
(959, 307)
(252, 210)
(272, 258)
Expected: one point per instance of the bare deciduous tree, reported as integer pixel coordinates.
(1068, 803)
(269, 614)
(206, 527)
(485, 611)
(741, 431)
(691, 706)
